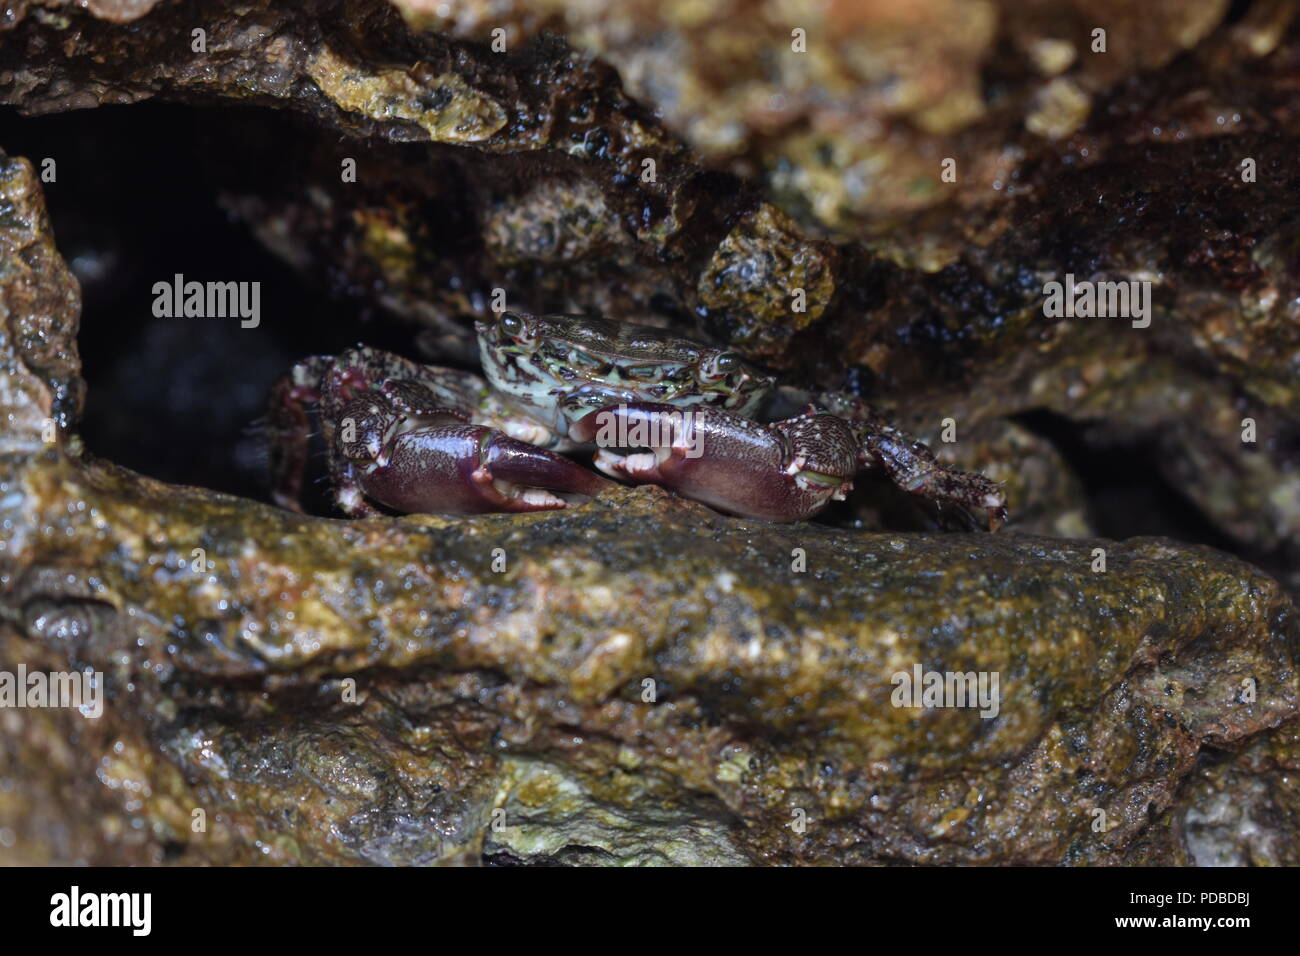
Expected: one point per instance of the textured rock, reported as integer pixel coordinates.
(377, 691)
(1242, 809)
(851, 129)
(772, 688)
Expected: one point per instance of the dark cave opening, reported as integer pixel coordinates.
(1126, 490)
(134, 202)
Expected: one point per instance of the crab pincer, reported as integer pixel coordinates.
(785, 471)
(467, 469)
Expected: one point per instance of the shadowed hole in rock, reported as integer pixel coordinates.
(177, 399)
(1126, 492)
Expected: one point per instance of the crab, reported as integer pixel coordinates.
(656, 409)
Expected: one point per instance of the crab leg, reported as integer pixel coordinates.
(781, 472)
(289, 428)
(911, 465)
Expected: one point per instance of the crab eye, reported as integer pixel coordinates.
(719, 366)
(512, 325)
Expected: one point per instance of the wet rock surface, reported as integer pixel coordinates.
(642, 680)
(473, 692)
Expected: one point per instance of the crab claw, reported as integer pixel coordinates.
(785, 471)
(466, 469)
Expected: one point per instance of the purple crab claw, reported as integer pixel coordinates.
(467, 469)
(786, 471)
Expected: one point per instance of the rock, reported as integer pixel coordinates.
(846, 109)
(641, 679)
(1240, 807)
(772, 690)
